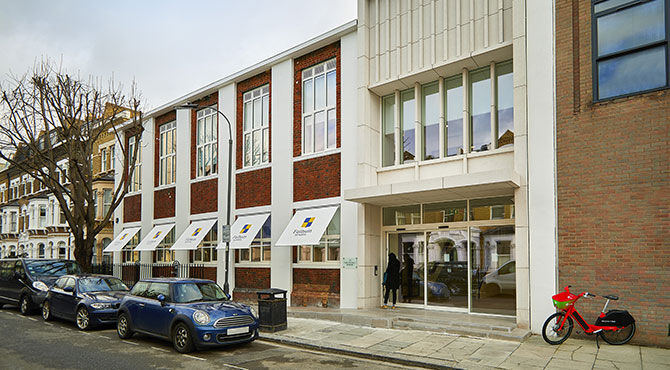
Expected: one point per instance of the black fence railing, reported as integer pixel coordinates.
(130, 273)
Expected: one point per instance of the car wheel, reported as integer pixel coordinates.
(123, 327)
(46, 311)
(182, 339)
(83, 319)
(24, 305)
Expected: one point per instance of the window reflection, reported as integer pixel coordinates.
(480, 110)
(408, 119)
(630, 73)
(454, 113)
(505, 104)
(431, 121)
(388, 138)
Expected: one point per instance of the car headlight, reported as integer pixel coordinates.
(253, 311)
(201, 317)
(40, 286)
(99, 306)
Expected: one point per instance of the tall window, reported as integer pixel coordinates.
(128, 254)
(630, 48)
(480, 110)
(206, 251)
(408, 125)
(453, 88)
(106, 201)
(256, 126)
(95, 203)
(430, 118)
(259, 251)
(112, 165)
(43, 216)
(135, 183)
(13, 221)
(328, 249)
(319, 102)
(166, 153)
(388, 127)
(207, 133)
(163, 252)
(104, 159)
(505, 104)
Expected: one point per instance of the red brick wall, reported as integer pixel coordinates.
(165, 118)
(613, 187)
(208, 273)
(300, 63)
(251, 83)
(250, 280)
(316, 287)
(204, 196)
(132, 208)
(207, 101)
(316, 178)
(164, 203)
(253, 188)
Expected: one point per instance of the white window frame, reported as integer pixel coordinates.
(135, 183)
(309, 113)
(256, 130)
(213, 236)
(106, 202)
(206, 147)
(167, 153)
(103, 159)
(43, 219)
(326, 242)
(163, 249)
(261, 244)
(128, 254)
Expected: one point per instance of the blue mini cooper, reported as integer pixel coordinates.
(192, 313)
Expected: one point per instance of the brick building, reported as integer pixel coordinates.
(612, 133)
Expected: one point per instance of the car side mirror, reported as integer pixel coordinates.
(161, 299)
(68, 289)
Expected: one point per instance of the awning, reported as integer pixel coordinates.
(307, 226)
(121, 240)
(156, 235)
(244, 230)
(193, 235)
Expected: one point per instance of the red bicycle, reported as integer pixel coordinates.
(615, 326)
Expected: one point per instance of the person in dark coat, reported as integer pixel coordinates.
(391, 279)
(408, 278)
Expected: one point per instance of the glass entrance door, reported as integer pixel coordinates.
(409, 249)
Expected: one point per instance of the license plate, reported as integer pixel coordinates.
(242, 330)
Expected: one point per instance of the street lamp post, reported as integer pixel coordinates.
(226, 286)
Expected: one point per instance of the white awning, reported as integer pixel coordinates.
(122, 239)
(307, 226)
(244, 230)
(156, 235)
(193, 235)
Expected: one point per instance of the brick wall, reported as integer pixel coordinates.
(248, 281)
(204, 196)
(207, 101)
(316, 178)
(132, 208)
(253, 188)
(164, 203)
(613, 187)
(165, 118)
(316, 287)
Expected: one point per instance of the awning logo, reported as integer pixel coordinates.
(197, 231)
(245, 228)
(308, 222)
(157, 235)
(123, 236)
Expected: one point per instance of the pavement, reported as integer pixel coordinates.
(439, 350)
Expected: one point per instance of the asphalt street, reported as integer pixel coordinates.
(30, 343)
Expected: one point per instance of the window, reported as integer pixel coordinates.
(408, 125)
(163, 252)
(319, 107)
(256, 126)
(128, 254)
(404, 215)
(135, 183)
(40, 250)
(207, 135)
(492, 209)
(106, 201)
(166, 153)
(328, 249)
(260, 246)
(43, 216)
(13, 221)
(454, 115)
(95, 203)
(480, 110)
(388, 134)
(505, 104)
(430, 118)
(630, 50)
(112, 164)
(104, 160)
(206, 251)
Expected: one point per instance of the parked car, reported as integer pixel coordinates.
(504, 278)
(88, 300)
(192, 313)
(25, 282)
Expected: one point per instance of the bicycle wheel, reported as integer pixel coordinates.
(616, 337)
(550, 331)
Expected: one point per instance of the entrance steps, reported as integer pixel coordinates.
(494, 327)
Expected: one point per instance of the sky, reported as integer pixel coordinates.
(169, 48)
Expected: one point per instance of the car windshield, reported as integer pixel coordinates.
(52, 268)
(193, 292)
(98, 284)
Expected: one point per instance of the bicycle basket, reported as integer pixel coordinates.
(564, 300)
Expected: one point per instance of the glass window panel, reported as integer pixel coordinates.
(305, 253)
(333, 228)
(388, 138)
(215, 157)
(266, 89)
(404, 215)
(320, 253)
(247, 150)
(200, 160)
(207, 161)
(255, 254)
(444, 212)
(334, 251)
(431, 121)
(267, 253)
(201, 132)
(480, 108)
(483, 209)
(266, 110)
(631, 27)
(244, 254)
(407, 123)
(308, 135)
(307, 73)
(643, 70)
(454, 113)
(257, 147)
(247, 116)
(256, 93)
(331, 88)
(332, 129)
(258, 114)
(605, 5)
(505, 101)
(308, 96)
(319, 69)
(319, 131)
(319, 92)
(215, 127)
(266, 145)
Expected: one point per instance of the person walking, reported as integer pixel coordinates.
(391, 279)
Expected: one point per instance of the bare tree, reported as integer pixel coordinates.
(50, 123)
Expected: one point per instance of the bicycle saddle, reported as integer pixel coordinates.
(612, 297)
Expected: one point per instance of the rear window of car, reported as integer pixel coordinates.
(52, 268)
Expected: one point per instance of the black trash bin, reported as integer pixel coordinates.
(271, 310)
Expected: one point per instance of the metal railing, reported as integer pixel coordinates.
(130, 273)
